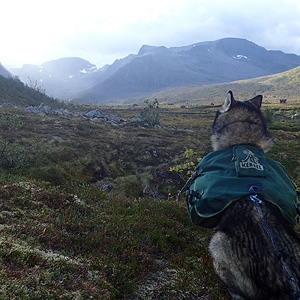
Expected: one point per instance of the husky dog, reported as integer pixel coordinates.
(242, 251)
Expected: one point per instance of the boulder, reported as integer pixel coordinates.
(95, 113)
(136, 118)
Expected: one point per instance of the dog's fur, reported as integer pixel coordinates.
(242, 253)
(239, 123)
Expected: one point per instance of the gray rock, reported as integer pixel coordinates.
(30, 109)
(64, 112)
(44, 109)
(106, 187)
(95, 113)
(55, 137)
(7, 105)
(136, 118)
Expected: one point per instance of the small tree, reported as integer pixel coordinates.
(186, 169)
(33, 84)
(150, 115)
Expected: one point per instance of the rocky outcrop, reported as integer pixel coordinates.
(99, 115)
(95, 114)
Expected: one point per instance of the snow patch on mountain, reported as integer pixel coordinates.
(240, 56)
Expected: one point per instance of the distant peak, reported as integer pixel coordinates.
(146, 49)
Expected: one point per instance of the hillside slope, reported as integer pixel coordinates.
(276, 86)
(13, 91)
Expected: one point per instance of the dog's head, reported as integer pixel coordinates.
(239, 123)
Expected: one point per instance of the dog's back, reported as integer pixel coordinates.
(243, 255)
(242, 250)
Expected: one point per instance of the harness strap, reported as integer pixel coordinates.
(189, 196)
(279, 252)
(189, 182)
(194, 194)
(298, 212)
(191, 179)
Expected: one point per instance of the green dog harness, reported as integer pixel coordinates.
(225, 175)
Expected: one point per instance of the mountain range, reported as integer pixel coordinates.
(60, 78)
(154, 69)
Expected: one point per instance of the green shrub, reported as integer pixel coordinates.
(149, 115)
(11, 155)
(129, 186)
(269, 115)
(54, 174)
(190, 161)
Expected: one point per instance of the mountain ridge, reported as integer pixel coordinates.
(4, 72)
(157, 68)
(205, 63)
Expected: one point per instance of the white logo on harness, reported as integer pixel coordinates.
(251, 161)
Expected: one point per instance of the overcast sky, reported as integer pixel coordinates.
(100, 31)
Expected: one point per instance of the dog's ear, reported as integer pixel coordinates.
(256, 101)
(229, 102)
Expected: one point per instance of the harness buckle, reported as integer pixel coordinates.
(253, 194)
(254, 198)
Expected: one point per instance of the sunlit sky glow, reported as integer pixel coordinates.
(35, 31)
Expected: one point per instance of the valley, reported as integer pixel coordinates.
(184, 71)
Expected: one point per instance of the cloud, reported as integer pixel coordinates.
(272, 24)
(36, 31)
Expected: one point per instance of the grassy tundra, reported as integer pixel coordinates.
(63, 236)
